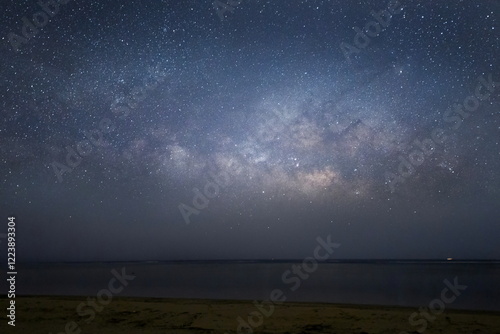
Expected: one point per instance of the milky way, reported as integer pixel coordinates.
(182, 131)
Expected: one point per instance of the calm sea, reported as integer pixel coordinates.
(403, 283)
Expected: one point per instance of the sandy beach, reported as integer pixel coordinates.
(151, 315)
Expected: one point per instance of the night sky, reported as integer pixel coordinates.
(155, 130)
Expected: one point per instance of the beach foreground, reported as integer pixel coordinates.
(150, 315)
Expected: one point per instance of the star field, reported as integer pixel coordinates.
(115, 115)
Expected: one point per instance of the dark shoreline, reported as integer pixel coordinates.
(51, 314)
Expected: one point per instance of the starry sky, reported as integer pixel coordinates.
(177, 130)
